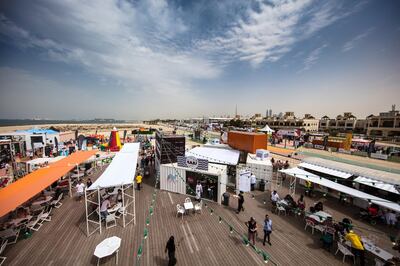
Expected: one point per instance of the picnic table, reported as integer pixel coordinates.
(114, 208)
(323, 215)
(78, 175)
(316, 218)
(377, 251)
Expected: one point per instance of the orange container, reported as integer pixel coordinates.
(247, 141)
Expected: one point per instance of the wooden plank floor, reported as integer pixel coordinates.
(202, 239)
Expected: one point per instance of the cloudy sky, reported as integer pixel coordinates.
(148, 59)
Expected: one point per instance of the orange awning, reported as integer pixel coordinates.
(24, 189)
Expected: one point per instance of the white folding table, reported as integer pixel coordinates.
(108, 247)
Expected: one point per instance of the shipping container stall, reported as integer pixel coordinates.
(178, 179)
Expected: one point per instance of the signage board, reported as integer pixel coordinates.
(192, 162)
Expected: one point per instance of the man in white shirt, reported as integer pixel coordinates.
(105, 205)
(274, 198)
(391, 218)
(80, 190)
(199, 190)
(252, 181)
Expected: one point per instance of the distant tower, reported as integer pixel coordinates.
(236, 111)
(270, 112)
(393, 107)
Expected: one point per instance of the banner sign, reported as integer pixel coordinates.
(379, 156)
(192, 162)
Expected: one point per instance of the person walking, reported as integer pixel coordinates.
(240, 202)
(138, 181)
(252, 225)
(170, 248)
(80, 190)
(267, 229)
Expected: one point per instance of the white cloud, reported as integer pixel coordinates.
(269, 32)
(357, 39)
(313, 57)
(127, 43)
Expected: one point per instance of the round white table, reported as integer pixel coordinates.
(108, 247)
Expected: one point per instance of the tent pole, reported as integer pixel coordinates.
(123, 205)
(98, 199)
(87, 218)
(134, 202)
(70, 185)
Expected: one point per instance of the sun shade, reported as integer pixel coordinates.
(122, 169)
(24, 189)
(215, 155)
(325, 170)
(300, 173)
(377, 184)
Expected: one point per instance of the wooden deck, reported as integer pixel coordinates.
(200, 238)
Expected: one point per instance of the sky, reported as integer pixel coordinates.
(179, 59)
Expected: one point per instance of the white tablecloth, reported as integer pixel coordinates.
(107, 247)
(377, 251)
(323, 215)
(188, 205)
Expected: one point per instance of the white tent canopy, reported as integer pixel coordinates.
(300, 173)
(376, 184)
(325, 170)
(122, 170)
(266, 129)
(215, 155)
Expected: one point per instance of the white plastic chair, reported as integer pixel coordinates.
(379, 262)
(180, 210)
(345, 252)
(121, 211)
(2, 248)
(280, 209)
(57, 203)
(35, 224)
(111, 219)
(188, 200)
(331, 231)
(198, 206)
(310, 223)
(11, 234)
(320, 228)
(45, 217)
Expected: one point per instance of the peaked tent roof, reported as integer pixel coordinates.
(266, 129)
(24, 189)
(122, 169)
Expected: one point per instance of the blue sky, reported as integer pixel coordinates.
(163, 59)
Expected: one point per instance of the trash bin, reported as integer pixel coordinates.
(225, 199)
(262, 185)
